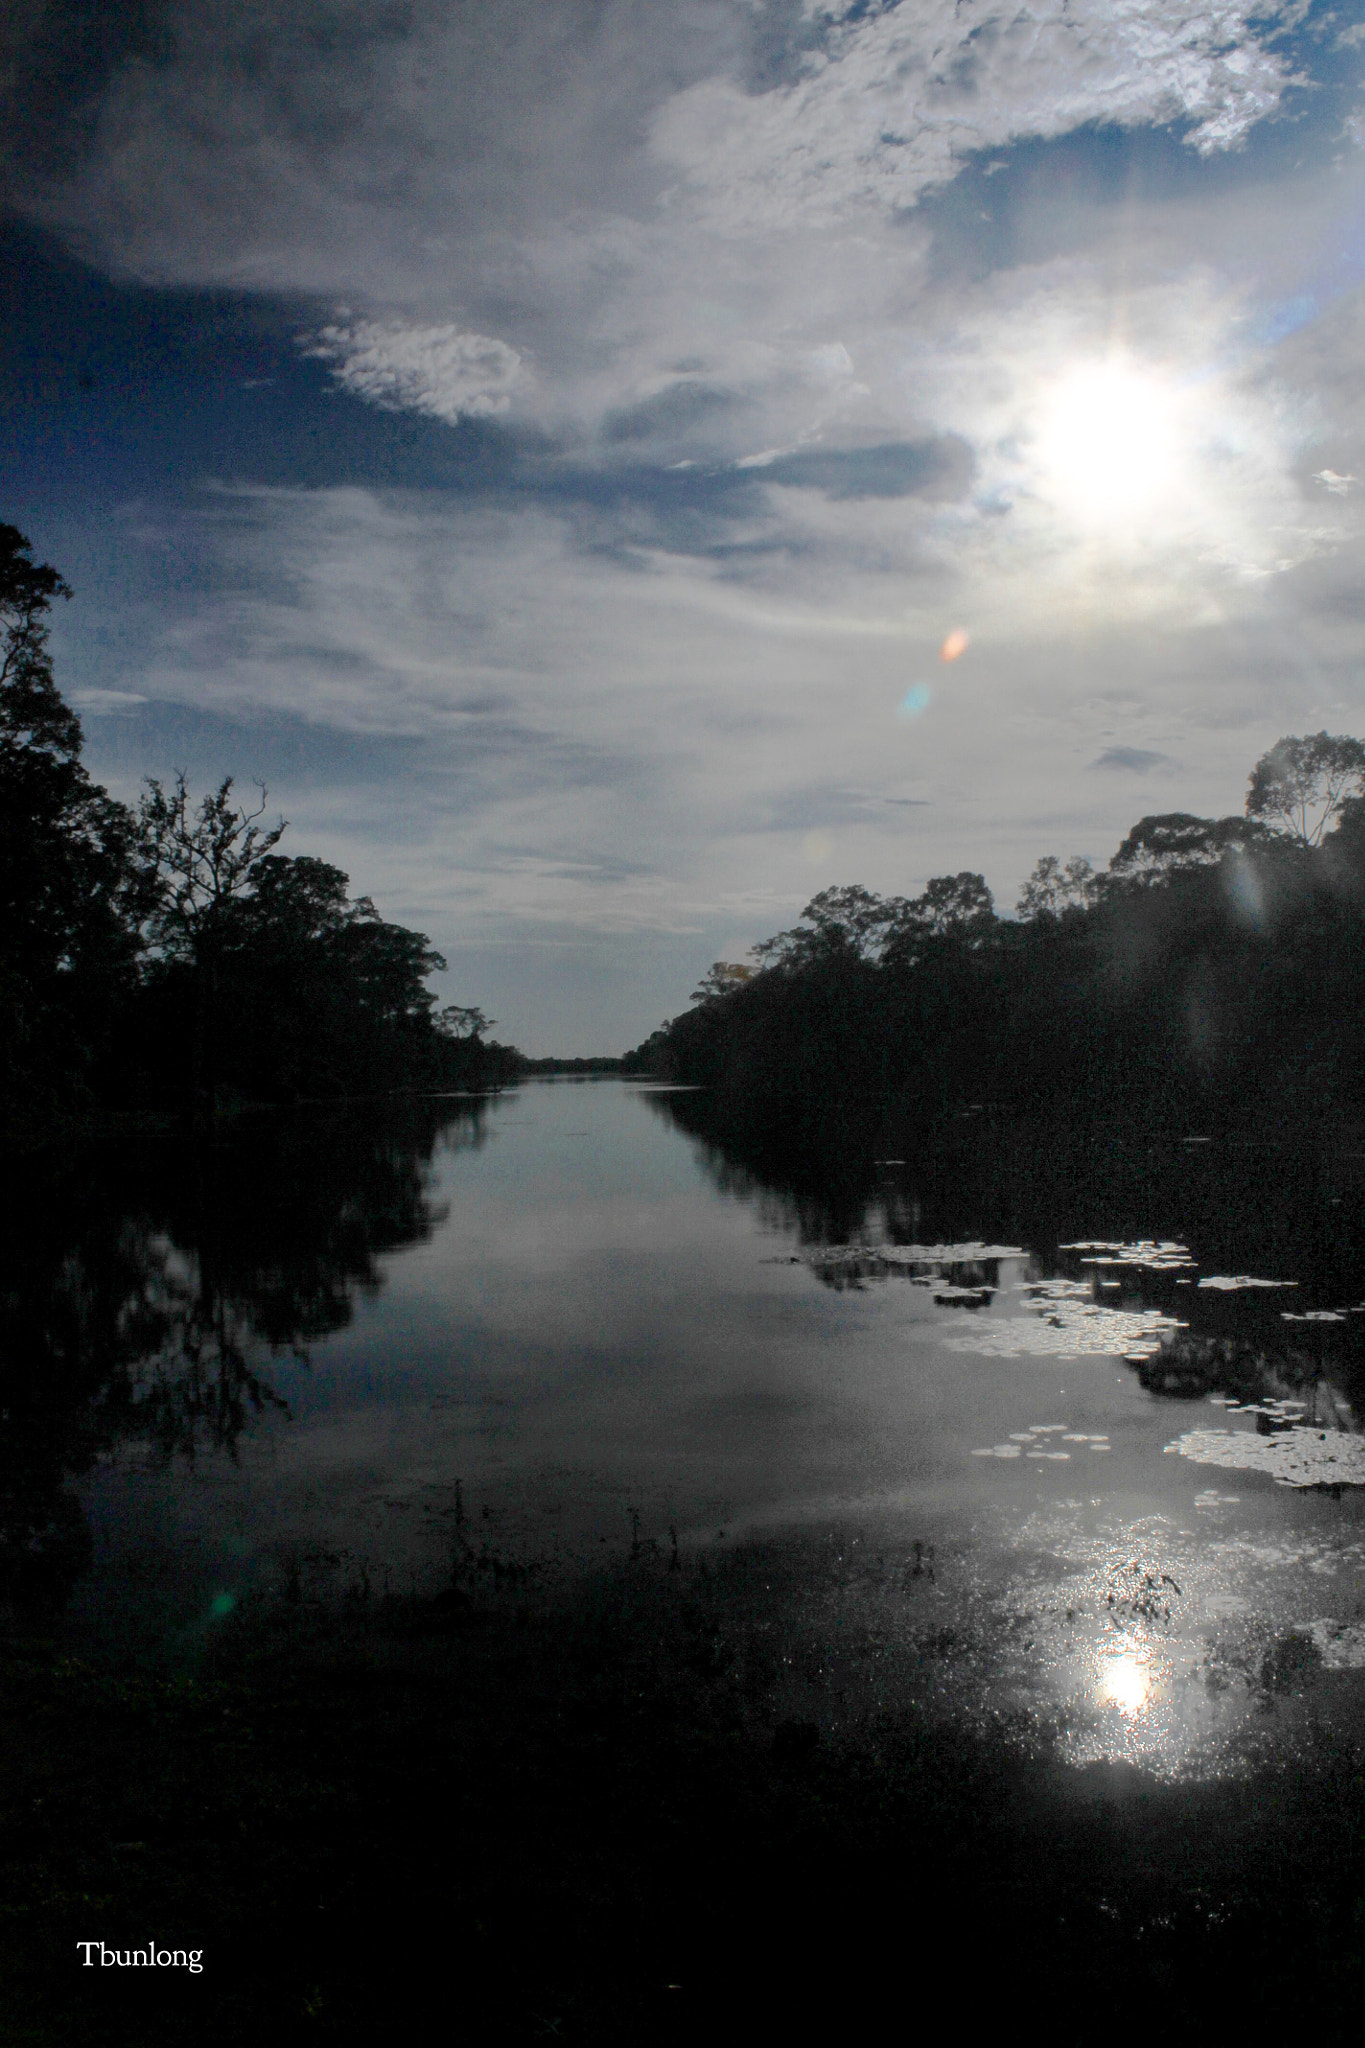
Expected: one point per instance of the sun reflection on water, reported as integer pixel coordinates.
(1125, 1683)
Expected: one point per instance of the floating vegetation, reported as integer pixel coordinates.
(1234, 1283)
(1340, 1644)
(1156, 1254)
(945, 1266)
(1033, 1443)
(1296, 1456)
(892, 1255)
(1314, 1315)
(1067, 1328)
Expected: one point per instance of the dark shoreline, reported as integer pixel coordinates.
(570, 1809)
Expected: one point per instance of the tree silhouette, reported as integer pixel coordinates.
(69, 877)
(1302, 783)
(1053, 888)
(202, 860)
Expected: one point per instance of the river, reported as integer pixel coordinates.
(1068, 1445)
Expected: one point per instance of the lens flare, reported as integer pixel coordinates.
(957, 643)
(914, 701)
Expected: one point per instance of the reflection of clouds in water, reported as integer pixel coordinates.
(1292, 1457)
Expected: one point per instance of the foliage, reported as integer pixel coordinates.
(71, 884)
(172, 955)
(1302, 783)
(1217, 967)
(202, 859)
(1052, 889)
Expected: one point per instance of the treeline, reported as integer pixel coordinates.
(168, 956)
(1217, 967)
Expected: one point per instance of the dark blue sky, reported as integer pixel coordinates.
(551, 445)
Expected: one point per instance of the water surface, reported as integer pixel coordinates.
(1020, 1423)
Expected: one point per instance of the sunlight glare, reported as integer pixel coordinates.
(1109, 446)
(1125, 1684)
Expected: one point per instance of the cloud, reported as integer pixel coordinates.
(1136, 760)
(440, 371)
(97, 703)
(641, 740)
(940, 467)
(721, 412)
(674, 212)
(892, 104)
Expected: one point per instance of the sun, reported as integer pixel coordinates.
(1110, 444)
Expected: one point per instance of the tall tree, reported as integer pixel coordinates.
(1301, 785)
(69, 879)
(1053, 888)
(202, 858)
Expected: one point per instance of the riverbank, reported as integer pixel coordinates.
(585, 1811)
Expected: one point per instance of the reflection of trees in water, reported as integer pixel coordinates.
(816, 1181)
(143, 1292)
(1286, 1213)
(1282, 1383)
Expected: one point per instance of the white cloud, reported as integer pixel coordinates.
(615, 223)
(897, 102)
(96, 703)
(615, 193)
(631, 738)
(441, 371)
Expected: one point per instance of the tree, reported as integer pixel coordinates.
(953, 906)
(202, 858)
(1176, 842)
(35, 720)
(69, 878)
(465, 1025)
(843, 922)
(722, 978)
(1052, 888)
(202, 861)
(953, 910)
(1301, 785)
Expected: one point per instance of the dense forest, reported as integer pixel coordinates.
(1216, 969)
(169, 956)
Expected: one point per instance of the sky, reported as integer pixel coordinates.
(615, 468)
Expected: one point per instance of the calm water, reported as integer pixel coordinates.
(1017, 1421)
